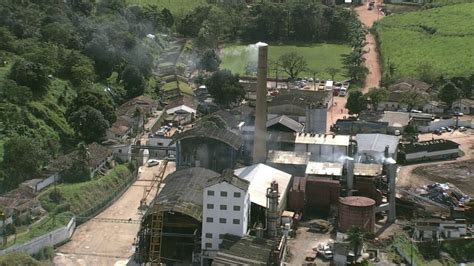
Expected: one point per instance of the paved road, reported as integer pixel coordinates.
(102, 242)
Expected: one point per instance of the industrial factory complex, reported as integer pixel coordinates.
(239, 191)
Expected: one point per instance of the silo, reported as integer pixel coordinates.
(358, 212)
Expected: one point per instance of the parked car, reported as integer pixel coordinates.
(437, 132)
(416, 111)
(462, 129)
(152, 162)
(449, 129)
(397, 132)
(458, 114)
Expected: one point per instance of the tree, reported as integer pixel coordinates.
(292, 64)
(332, 72)
(449, 93)
(354, 64)
(95, 99)
(14, 93)
(133, 81)
(356, 102)
(23, 158)
(413, 99)
(89, 123)
(209, 61)
(79, 171)
(355, 235)
(376, 95)
(31, 75)
(225, 87)
(168, 18)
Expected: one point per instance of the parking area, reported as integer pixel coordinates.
(303, 243)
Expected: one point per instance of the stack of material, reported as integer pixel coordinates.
(444, 193)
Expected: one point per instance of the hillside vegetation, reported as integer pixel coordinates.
(434, 42)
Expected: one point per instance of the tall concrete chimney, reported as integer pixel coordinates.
(260, 133)
(391, 176)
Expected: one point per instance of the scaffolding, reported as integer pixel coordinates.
(156, 237)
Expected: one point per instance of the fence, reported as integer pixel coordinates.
(52, 239)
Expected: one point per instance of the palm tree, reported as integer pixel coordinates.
(355, 235)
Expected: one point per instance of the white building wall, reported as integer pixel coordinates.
(217, 227)
(419, 155)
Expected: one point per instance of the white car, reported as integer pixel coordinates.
(152, 162)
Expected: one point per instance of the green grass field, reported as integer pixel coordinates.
(86, 195)
(440, 37)
(177, 7)
(318, 56)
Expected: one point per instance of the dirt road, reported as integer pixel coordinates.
(110, 242)
(368, 17)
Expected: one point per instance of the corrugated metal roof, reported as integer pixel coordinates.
(288, 157)
(327, 169)
(260, 177)
(377, 142)
(285, 121)
(322, 139)
(183, 192)
(367, 169)
(229, 177)
(220, 134)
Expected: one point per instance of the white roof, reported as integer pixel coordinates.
(377, 142)
(180, 108)
(318, 168)
(322, 139)
(260, 177)
(329, 83)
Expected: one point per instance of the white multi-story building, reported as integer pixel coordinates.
(226, 210)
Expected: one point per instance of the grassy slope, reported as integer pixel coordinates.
(19, 258)
(450, 50)
(318, 56)
(177, 7)
(86, 195)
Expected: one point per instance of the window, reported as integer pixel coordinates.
(223, 193)
(160, 143)
(236, 221)
(236, 208)
(210, 193)
(120, 150)
(208, 245)
(208, 235)
(236, 194)
(223, 207)
(222, 220)
(210, 206)
(209, 220)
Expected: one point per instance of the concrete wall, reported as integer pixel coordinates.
(316, 120)
(322, 153)
(52, 238)
(423, 154)
(122, 151)
(46, 182)
(445, 123)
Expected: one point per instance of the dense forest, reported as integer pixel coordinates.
(57, 58)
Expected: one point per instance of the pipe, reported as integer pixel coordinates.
(260, 133)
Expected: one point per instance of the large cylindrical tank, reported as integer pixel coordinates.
(358, 212)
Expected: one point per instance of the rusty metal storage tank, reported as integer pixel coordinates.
(356, 211)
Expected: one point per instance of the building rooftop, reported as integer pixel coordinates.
(260, 177)
(220, 134)
(322, 139)
(326, 169)
(301, 98)
(287, 122)
(377, 142)
(394, 119)
(428, 146)
(288, 157)
(357, 201)
(406, 84)
(229, 177)
(96, 155)
(367, 169)
(248, 250)
(183, 192)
